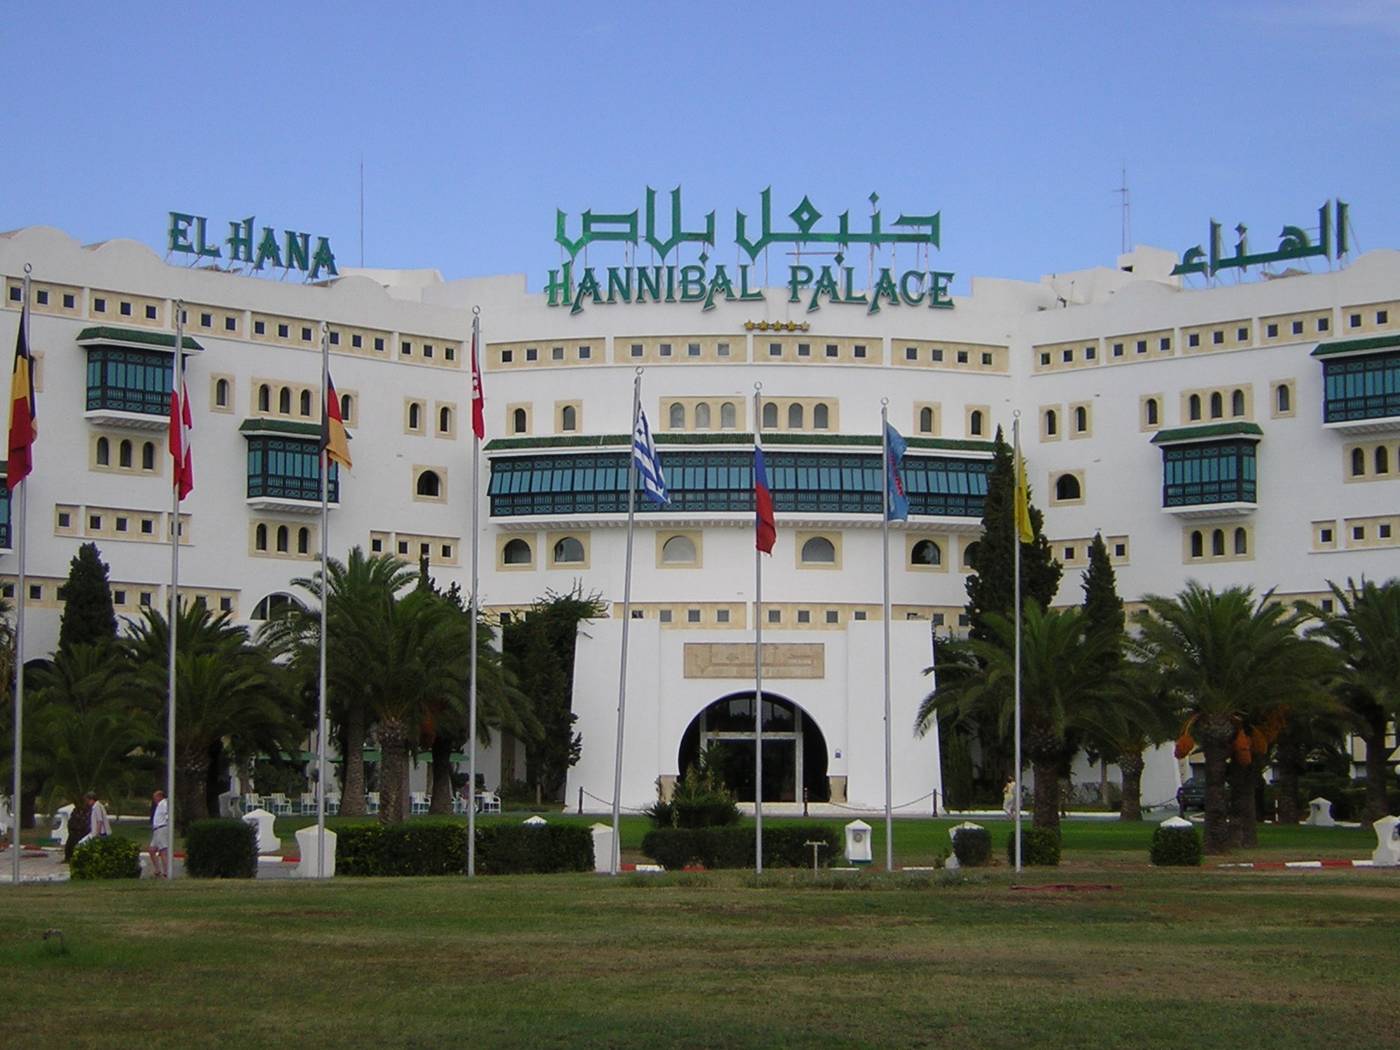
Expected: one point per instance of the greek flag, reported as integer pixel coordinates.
(648, 462)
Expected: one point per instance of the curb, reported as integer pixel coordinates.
(1279, 865)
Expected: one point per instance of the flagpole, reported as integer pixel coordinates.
(475, 602)
(325, 600)
(178, 398)
(885, 553)
(757, 669)
(21, 590)
(615, 862)
(1017, 469)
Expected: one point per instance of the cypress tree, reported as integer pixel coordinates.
(1103, 609)
(88, 617)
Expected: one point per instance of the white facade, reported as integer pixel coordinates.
(951, 377)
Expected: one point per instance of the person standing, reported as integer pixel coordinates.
(77, 828)
(99, 827)
(160, 834)
(1008, 796)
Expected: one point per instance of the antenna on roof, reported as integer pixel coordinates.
(1127, 233)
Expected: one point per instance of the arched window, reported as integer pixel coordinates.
(347, 408)
(675, 418)
(264, 398)
(303, 540)
(1241, 541)
(148, 456)
(1153, 413)
(568, 551)
(1358, 462)
(568, 418)
(970, 554)
(1283, 398)
(925, 421)
(1217, 543)
(1067, 487)
(284, 400)
(1193, 406)
(770, 415)
(415, 416)
(702, 417)
(124, 453)
(429, 484)
(516, 552)
(821, 417)
(818, 551)
(260, 537)
(1198, 544)
(728, 416)
(1081, 419)
(283, 535)
(104, 452)
(305, 400)
(272, 605)
(1052, 422)
(221, 393)
(925, 552)
(974, 425)
(1237, 403)
(1382, 460)
(1217, 405)
(445, 420)
(518, 421)
(795, 415)
(678, 550)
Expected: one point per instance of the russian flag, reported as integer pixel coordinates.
(766, 529)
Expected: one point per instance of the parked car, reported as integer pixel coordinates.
(1191, 795)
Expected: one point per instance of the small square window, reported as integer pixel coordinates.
(403, 546)
(1327, 605)
(1117, 349)
(937, 353)
(1358, 532)
(305, 334)
(447, 551)
(636, 614)
(859, 614)
(804, 615)
(1383, 531)
(69, 301)
(259, 328)
(585, 352)
(858, 351)
(356, 342)
(230, 324)
(692, 349)
(665, 349)
(1382, 317)
(987, 360)
(775, 616)
(379, 344)
(1241, 335)
(1194, 339)
(507, 356)
(722, 350)
(721, 616)
(1067, 356)
(449, 353)
(1069, 554)
(376, 545)
(1271, 330)
(119, 598)
(1090, 353)
(775, 349)
(121, 524)
(334, 338)
(206, 320)
(225, 604)
(832, 616)
(283, 331)
(64, 519)
(911, 353)
(664, 615)
(427, 351)
(405, 348)
(1165, 343)
(424, 550)
(1217, 337)
(1324, 535)
(41, 297)
(150, 313)
(8, 590)
(692, 616)
(95, 522)
(125, 309)
(147, 597)
(1354, 320)
(636, 349)
(532, 353)
(962, 357)
(36, 592)
(832, 350)
(1297, 327)
(17, 295)
(1045, 360)
(1120, 550)
(148, 526)
(1324, 323)
(556, 353)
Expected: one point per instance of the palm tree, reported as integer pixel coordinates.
(1141, 718)
(361, 590)
(1063, 688)
(1229, 663)
(1365, 629)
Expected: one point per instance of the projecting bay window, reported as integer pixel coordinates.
(4, 514)
(1361, 384)
(1209, 470)
(284, 467)
(129, 375)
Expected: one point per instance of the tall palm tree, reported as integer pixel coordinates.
(1364, 626)
(1230, 663)
(1063, 688)
(361, 592)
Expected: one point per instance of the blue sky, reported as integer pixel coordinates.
(476, 121)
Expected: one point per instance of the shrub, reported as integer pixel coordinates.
(422, 847)
(440, 848)
(107, 858)
(730, 847)
(1176, 847)
(357, 849)
(699, 800)
(221, 849)
(1039, 846)
(520, 849)
(973, 847)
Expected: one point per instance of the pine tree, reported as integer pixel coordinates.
(88, 617)
(1102, 606)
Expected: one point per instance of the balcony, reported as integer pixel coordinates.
(284, 467)
(1209, 471)
(129, 376)
(1361, 384)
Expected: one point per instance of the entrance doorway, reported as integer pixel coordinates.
(794, 750)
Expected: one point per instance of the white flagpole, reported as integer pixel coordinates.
(325, 600)
(178, 379)
(21, 592)
(475, 609)
(1016, 539)
(757, 666)
(615, 864)
(885, 552)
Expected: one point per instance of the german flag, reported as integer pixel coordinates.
(24, 425)
(335, 442)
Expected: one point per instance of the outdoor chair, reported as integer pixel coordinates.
(332, 805)
(308, 803)
(371, 802)
(280, 805)
(488, 802)
(251, 801)
(418, 802)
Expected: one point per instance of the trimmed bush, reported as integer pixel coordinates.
(1176, 847)
(730, 847)
(699, 800)
(221, 849)
(1039, 846)
(524, 849)
(973, 847)
(357, 849)
(106, 858)
(440, 848)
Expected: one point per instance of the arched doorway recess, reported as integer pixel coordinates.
(794, 749)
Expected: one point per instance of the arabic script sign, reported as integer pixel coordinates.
(1293, 243)
(188, 235)
(574, 286)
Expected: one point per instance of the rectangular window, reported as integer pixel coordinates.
(95, 522)
(507, 356)
(556, 353)
(69, 301)
(146, 599)
(832, 616)
(1324, 323)
(1120, 550)
(230, 324)
(1067, 356)
(937, 353)
(334, 338)
(531, 353)
(225, 605)
(804, 615)
(775, 349)
(379, 344)
(99, 304)
(637, 614)
(148, 527)
(775, 616)
(1324, 535)
(1194, 339)
(1383, 531)
(305, 334)
(356, 341)
(721, 616)
(722, 350)
(1382, 317)
(859, 614)
(36, 593)
(831, 350)
(121, 524)
(1090, 353)
(692, 616)
(17, 295)
(1217, 337)
(911, 353)
(125, 309)
(283, 331)
(1241, 335)
(1354, 320)
(585, 352)
(1297, 328)
(150, 313)
(636, 349)
(405, 348)
(692, 349)
(1271, 330)
(665, 349)
(259, 328)
(427, 351)
(41, 297)
(1044, 360)
(206, 320)
(1165, 343)
(987, 360)
(962, 357)
(119, 598)
(1358, 532)
(664, 615)
(858, 351)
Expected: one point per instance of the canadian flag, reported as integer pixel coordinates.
(181, 451)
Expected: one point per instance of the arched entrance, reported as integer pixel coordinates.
(794, 749)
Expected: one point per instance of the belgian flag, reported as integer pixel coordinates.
(335, 442)
(24, 425)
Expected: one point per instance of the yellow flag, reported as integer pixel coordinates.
(1023, 501)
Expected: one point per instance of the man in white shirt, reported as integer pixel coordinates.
(99, 827)
(160, 834)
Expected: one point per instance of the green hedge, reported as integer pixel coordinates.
(106, 858)
(221, 849)
(440, 848)
(1039, 846)
(1176, 847)
(730, 847)
(973, 847)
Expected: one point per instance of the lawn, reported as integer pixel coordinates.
(1161, 958)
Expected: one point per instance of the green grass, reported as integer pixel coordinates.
(1163, 959)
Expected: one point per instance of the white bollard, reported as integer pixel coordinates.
(1320, 814)
(858, 843)
(1387, 852)
(602, 847)
(262, 821)
(306, 847)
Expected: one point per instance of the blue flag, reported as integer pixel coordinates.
(648, 462)
(897, 500)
